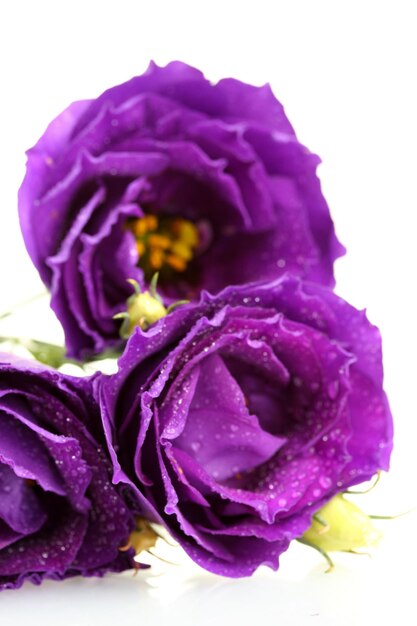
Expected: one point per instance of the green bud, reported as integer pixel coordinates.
(143, 309)
(341, 526)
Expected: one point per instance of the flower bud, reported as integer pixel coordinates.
(341, 526)
(142, 538)
(143, 309)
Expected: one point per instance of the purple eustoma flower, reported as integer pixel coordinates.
(205, 183)
(60, 515)
(237, 417)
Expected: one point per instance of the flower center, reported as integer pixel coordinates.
(164, 244)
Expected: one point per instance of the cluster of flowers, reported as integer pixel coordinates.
(248, 395)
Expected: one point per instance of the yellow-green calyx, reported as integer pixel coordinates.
(142, 538)
(340, 526)
(144, 308)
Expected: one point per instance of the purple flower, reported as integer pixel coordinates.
(236, 418)
(60, 515)
(206, 183)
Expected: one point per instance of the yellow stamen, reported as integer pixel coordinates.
(139, 228)
(176, 263)
(182, 250)
(140, 247)
(156, 258)
(188, 233)
(164, 243)
(159, 241)
(151, 222)
(176, 226)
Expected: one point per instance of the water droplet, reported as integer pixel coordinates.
(325, 482)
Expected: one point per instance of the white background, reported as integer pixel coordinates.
(346, 74)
